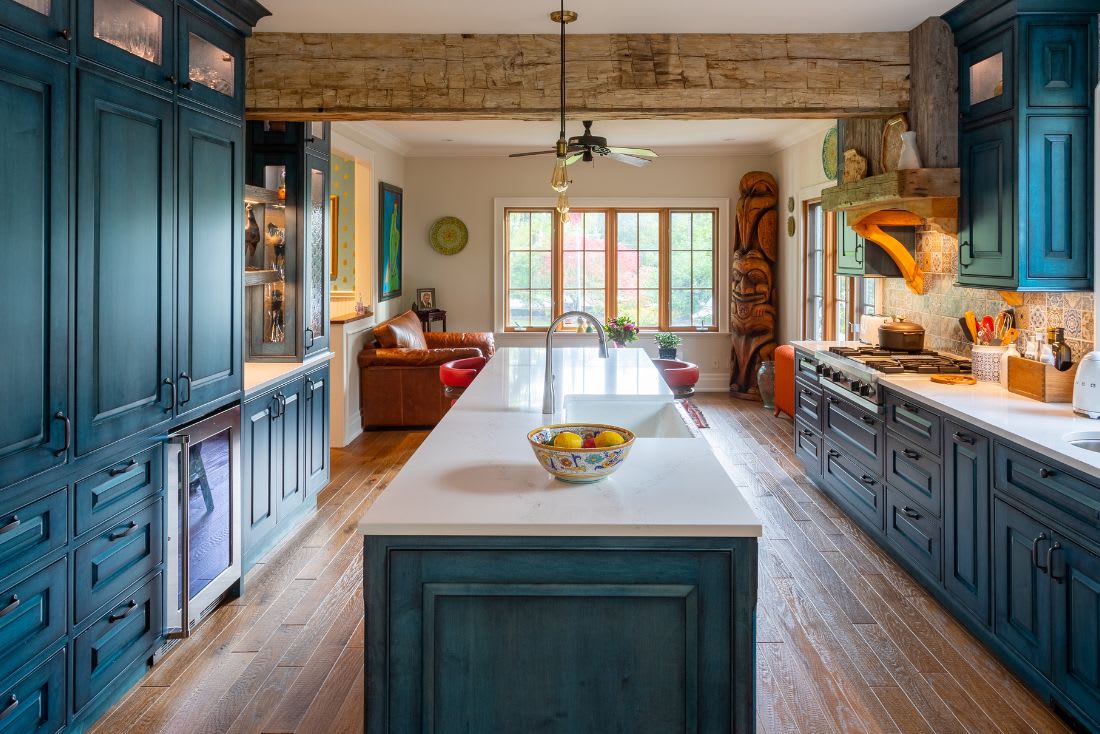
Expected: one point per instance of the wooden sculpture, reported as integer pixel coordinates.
(753, 296)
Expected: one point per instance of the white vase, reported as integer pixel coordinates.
(909, 157)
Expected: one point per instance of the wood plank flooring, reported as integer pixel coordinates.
(846, 640)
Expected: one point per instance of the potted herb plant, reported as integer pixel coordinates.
(621, 330)
(666, 344)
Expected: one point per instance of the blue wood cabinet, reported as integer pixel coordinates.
(1075, 572)
(36, 703)
(1021, 588)
(31, 532)
(850, 248)
(136, 37)
(34, 227)
(32, 616)
(290, 438)
(966, 518)
(261, 476)
(317, 395)
(211, 63)
(987, 205)
(48, 22)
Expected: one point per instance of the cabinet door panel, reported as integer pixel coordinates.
(1021, 584)
(209, 250)
(46, 20)
(317, 430)
(1076, 624)
(1059, 218)
(966, 519)
(850, 248)
(1058, 59)
(858, 433)
(136, 37)
(33, 261)
(124, 268)
(317, 249)
(41, 699)
(987, 205)
(987, 74)
(211, 64)
(261, 453)
(292, 448)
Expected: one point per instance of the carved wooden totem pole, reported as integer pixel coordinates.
(753, 295)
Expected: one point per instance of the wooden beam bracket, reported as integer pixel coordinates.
(870, 228)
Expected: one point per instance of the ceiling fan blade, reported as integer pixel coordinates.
(533, 152)
(573, 159)
(645, 152)
(630, 160)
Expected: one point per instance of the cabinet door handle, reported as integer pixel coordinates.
(12, 605)
(65, 34)
(120, 470)
(311, 385)
(966, 245)
(309, 333)
(67, 425)
(171, 79)
(910, 512)
(172, 393)
(867, 479)
(965, 438)
(282, 404)
(276, 413)
(1046, 473)
(805, 432)
(832, 400)
(1055, 546)
(910, 407)
(12, 524)
(867, 419)
(186, 85)
(130, 607)
(1035, 551)
(834, 453)
(184, 377)
(857, 254)
(120, 534)
(911, 453)
(807, 391)
(13, 704)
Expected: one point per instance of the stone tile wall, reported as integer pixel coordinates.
(943, 302)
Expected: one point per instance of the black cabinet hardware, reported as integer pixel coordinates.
(309, 333)
(807, 391)
(12, 524)
(867, 419)
(807, 433)
(833, 400)
(911, 453)
(120, 470)
(966, 246)
(66, 34)
(964, 437)
(867, 479)
(910, 512)
(312, 387)
(910, 407)
(834, 453)
(1055, 546)
(184, 377)
(120, 534)
(277, 412)
(186, 85)
(1046, 473)
(13, 704)
(172, 392)
(68, 426)
(12, 605)
(130, 607)
(1035, 552)
(171, 79)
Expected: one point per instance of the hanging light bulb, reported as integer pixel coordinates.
(563, 206)
(559, 181)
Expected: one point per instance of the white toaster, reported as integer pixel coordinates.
(1086, 386)
(868, 328)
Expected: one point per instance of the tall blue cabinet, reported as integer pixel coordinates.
(1027, 74)
(120, 260)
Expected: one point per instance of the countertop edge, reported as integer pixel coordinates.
(564, 531)
(279, 375)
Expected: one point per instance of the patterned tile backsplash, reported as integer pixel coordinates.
(943, 302)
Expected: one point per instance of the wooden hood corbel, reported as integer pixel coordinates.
(870, 229)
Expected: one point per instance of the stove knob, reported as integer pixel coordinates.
(867, 391)
(826, 371)
(856, 387)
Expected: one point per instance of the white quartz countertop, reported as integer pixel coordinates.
(476, 475)
(258, 376)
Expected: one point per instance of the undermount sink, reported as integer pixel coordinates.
(1087, 440)
(646, 418)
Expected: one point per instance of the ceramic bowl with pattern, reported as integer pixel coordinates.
(579, 465)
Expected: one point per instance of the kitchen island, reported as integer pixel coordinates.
(499, 599)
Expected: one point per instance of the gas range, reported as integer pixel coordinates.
(855, 372)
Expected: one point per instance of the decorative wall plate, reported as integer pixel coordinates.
(790, 226)
(449, 236)
(891, 142)
(829, 155)
(790, 203)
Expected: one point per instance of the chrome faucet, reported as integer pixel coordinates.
(548, 383)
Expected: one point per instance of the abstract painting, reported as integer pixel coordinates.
(390, 205)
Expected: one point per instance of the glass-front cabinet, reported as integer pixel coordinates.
(132, 36)
(46, 20)
(287, 242)
(211, 63)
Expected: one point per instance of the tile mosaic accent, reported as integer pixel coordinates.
(944, 302)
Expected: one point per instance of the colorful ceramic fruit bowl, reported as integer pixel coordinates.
(579, 464)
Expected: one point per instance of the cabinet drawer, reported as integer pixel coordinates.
(856, 432)
(29, 532)
(914, 422)
(117, 488)
(117, 557)
(805, 366)
(808, 402)
(916, 471)
(1056, 492)
(36, 703)
(853, 486)
(912, 532)
(125, 633)
(807, 445)
(32, 617)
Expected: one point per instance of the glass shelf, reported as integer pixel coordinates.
(130, 26)
(265, 250)
(210, 66)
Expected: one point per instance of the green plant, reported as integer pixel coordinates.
(622, 330)
(665, 340)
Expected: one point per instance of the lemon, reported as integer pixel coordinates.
(568, 440)
(608, 438)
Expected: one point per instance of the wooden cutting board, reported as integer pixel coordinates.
(954, 379)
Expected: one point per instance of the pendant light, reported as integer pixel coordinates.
(559, 180)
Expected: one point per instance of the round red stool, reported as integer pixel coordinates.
(456, 376)
(680, 376)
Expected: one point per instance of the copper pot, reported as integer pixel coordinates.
(901, 336)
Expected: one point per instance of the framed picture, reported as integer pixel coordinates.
(425, 299)
(390, 208)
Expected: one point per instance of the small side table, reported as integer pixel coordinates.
(429, 316)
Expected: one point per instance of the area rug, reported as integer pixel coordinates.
(696, 415)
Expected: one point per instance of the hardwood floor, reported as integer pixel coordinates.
(846, 641)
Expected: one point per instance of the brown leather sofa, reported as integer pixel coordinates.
(399, 374)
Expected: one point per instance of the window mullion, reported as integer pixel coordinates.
(611, 266)
(663, 262)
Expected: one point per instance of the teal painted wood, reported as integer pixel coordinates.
(915, 534)
(850, 249)
(290, 429)
(916, 472)
(317, 253)
(124, 634)
(115, 558)
(1075, 574)
(318, 138)
(35, 704)
(559, 634)
(853, 486)
(987, 205)
(51, 27)
(1021, 587)
(157, 65)
(209, 261)
(106, 494)
(967, 481)
(317, 395)
(196, 29)
(1002, 42)
(915, 423)
(124, 288)
(860, 435)
(30, 532)
(261, 474)
(32, 616)
(34, 100)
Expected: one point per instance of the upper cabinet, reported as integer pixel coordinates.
(46, 20)
(1026, 83)
(211, 63)
(132, 36)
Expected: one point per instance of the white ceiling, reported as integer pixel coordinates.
(667, 137)
(600, 16)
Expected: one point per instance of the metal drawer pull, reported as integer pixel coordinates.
(15, 602)
(833, 400)
(13, 704)
(834, 453)
(1035, 551)
(807, 433)
(184, 376)
(120, 534)
(13, 523)
(67, 424)
(120, 470)
(172, 389)
(1046, 473)
(911, 453)
(965, 438)
(910, 512)
(867, 419)
(1056, 546)
(910, 407)
(312, 386)
(867, 479)
(130, 607)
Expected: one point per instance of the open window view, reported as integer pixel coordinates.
(493, 368)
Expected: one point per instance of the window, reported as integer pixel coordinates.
(656, 265)
(814, 282)
(832, 304)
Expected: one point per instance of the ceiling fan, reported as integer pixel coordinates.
(581, 147)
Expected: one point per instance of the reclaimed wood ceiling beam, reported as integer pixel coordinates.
(299, 76)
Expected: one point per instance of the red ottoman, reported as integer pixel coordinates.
(680, 376)
(456, 376)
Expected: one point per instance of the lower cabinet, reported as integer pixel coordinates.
(36, 702)
(966, 518)
(1021, 584)
(317, 430)
(913, 532)
(1075, 573)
